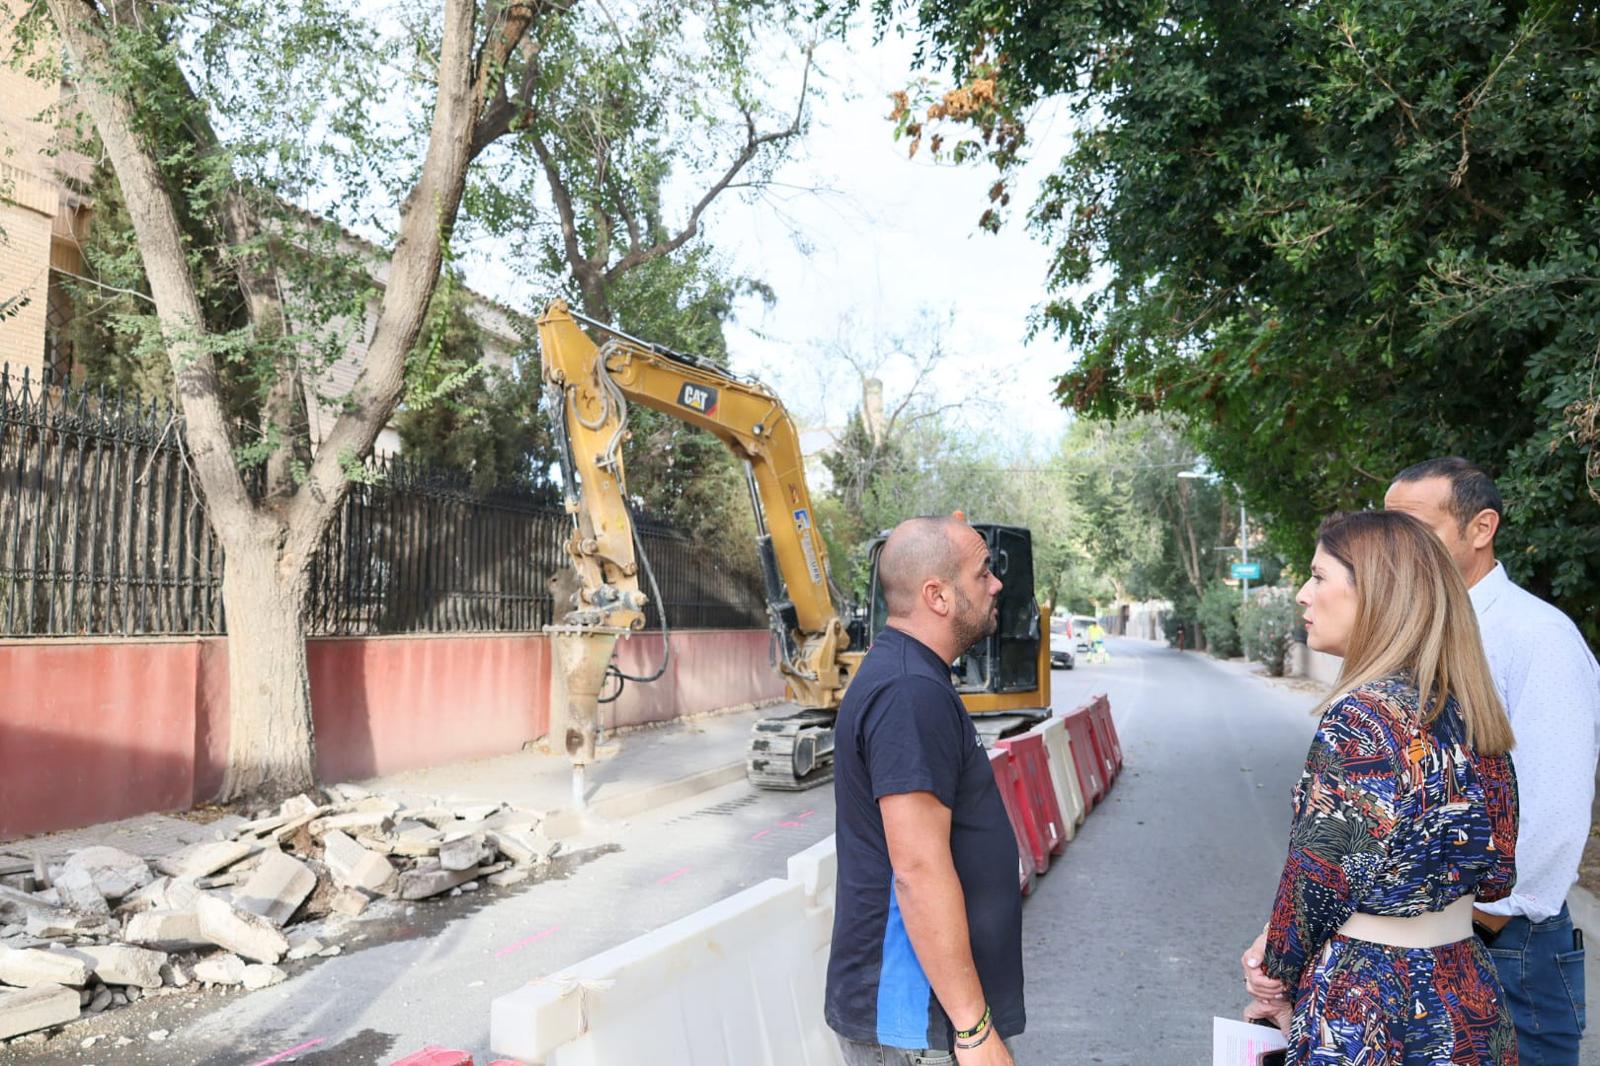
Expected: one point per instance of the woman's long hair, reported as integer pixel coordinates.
(1414, 617)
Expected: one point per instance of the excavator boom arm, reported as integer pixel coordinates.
(593, 386)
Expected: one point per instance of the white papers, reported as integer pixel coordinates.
(1235, 1043)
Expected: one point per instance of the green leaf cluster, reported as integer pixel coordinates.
(1333, 239)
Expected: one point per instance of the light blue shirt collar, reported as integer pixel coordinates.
(1490, 587)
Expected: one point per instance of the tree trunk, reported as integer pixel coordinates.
(270, 742)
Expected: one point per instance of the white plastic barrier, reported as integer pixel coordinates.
(739, 983)
(1069, 796)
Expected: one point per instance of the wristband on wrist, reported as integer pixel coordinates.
(969, 1045)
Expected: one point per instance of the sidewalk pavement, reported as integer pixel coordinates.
(635, 771)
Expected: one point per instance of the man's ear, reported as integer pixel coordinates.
(933, 596)
(1481, 530)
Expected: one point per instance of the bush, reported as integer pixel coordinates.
(1216, 620)
(1266, 623)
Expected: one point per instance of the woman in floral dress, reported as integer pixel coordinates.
(1406, 812)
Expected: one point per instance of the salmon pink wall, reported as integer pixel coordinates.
(95, 730)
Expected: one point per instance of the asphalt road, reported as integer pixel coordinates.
(1131, 941)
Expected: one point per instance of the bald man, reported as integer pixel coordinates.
(926, 961)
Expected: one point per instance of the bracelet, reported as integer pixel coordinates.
(987, 1029)
(968, 1034)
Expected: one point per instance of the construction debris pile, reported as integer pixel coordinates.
(105, 927)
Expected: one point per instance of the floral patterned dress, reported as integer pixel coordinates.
(1394, 818)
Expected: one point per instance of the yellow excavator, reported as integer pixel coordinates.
(1004, 680)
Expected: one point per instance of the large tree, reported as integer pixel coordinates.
(215, 118)
(1334, 238)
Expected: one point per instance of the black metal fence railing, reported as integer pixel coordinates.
(103, 532)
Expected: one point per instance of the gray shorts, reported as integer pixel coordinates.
(857, 1053)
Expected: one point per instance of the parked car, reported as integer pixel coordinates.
(1062, 651)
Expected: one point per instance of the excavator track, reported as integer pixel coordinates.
(792, 753)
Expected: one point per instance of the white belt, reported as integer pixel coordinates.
(1431, 929)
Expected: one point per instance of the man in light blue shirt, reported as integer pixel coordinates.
(1550, 683)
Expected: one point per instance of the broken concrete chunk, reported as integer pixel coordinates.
(277, 888)
(259, 977)
(123, 964)
(513, 876)
(65, 925)
(35, 967)
(115, 872)
(352, 820)
(422, 883)
(15, 902)
(371, 804)
(353, 866)
(239, 931)
(100, 1001)
(25, 1010)
(415, 839)
(522, 847)
(166, 930)
(78, 893)
(461, 853)
(304, 949)
(202, 860)
(220, 970)
(346, 791)
(349, 902)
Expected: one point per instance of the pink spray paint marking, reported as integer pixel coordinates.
(758, 836)
(280, 1056)
(525, 941)
(804, 816)
(673, 876)
(789, 825)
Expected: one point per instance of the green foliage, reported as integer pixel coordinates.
(1334, 239)
(1215, 613)
(1266, 626)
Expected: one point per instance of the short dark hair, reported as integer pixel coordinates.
(1471, 489)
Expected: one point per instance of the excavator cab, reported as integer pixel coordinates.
(1005, 678)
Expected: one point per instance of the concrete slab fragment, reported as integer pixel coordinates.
(240, 932)
(115, 872)
(28, 1009)
(353, 866)
(77, 892)
(277, 887)
(36, 967)
(123, 964)
(164, 930)
(220, 970)
(202, 860)
(420, 884)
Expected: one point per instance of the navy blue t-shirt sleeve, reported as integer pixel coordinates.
(913, 740)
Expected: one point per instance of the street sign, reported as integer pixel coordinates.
(1247, 571)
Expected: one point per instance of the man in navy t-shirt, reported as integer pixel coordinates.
(926, 961)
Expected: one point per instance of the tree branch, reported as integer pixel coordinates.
(754, 142)
(426, 219)
(162, 249)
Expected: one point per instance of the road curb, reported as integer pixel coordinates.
(567, 822)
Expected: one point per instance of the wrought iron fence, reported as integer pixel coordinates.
(103, 532)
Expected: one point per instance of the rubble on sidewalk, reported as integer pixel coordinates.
(104, 927)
